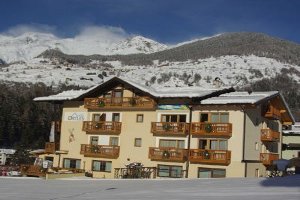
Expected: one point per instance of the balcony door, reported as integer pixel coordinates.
(212, 144)
(117, 96)
(214, 117)
(116, 117)
(99, 117)
(173, 118)
(172, 143)
(94, 140)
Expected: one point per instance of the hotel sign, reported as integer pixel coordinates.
(75, 116)
(172, 107)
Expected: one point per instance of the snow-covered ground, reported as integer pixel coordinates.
(228, 70)
(281, 188)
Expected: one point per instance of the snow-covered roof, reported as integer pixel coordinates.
(295, 129)
(173, 92)
(37, 151)
(187, 92)
(7, 151)
(291, 132)
(246, 98)
(239, 98)
(65, 95)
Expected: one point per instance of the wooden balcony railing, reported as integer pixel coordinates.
(168, 154)
(211, 129)
(272, 113)
(268, 135)
(120, 103)
(100, 151)
(170, 128)
(32, 170)
(50, 147)
(215, 157)
(267, 158)
(106, 127)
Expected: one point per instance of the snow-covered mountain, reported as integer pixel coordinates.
(137, 44)
(25, 46)
(226, 60)
(31, 44)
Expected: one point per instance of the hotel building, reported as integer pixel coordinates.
(172, 133)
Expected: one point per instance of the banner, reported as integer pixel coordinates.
(172, 107)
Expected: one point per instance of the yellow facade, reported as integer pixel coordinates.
(237, 154)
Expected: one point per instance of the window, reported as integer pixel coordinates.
(203, 117)
(101, 166)
(137, 142)
(116, 117)
(211, 173)
(173, 118)
(117, 93)
(113, 141)
(99, 117)
(94, 140)
(71, 163)
(213, 144)
(49, 158)
(107, 95)
(172, 143)
(224, 117)
(139, 118)
(117, 97)
(169, 171)
(214, 117)
(256, 146)
(257, 173)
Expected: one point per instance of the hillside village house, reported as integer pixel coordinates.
(291, 141)
(181, 133)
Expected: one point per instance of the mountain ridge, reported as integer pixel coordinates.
(225, 44)
(29, 45)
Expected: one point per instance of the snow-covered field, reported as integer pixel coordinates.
(285, 188)
(230, 70)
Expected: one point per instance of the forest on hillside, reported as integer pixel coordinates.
(26, 123)
(287, 86)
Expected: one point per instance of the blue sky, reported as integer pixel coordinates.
(167, 21)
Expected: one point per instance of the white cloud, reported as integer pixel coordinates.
(108, 34)
(25, 28)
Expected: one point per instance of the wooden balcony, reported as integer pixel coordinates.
(100, 151)
(168, 154)
(32, 170)
(170, 128)
(211, 129)
(272, 113)
(93, 127)
(125, 103)
(51, 147)
(268, 135)
(267, 158)
(213, 157)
